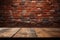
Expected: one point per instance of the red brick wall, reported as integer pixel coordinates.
(44, 8)
(28, 9)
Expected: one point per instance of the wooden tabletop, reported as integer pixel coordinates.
(29, 32)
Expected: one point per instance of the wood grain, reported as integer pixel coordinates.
(8, 32)
(29, 32)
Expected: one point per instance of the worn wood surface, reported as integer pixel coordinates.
(29, 32)
(8, 32)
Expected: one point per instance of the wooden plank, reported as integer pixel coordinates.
(26, 32)
(41, 33)
(8, 32)
(47, 32)
(55, 32)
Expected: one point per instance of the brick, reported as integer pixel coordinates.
(37, 9)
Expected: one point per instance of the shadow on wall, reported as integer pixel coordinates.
(5, 2)
(4, 5)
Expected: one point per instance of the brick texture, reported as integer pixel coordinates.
(44, 12)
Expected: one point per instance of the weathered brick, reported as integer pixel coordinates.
(38, 9)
